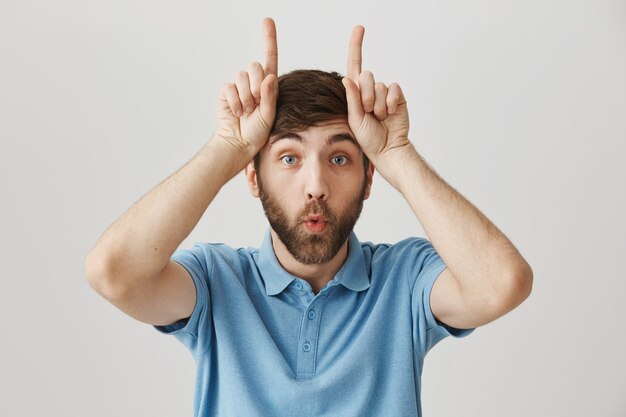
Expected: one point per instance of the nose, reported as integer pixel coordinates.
(316, 184)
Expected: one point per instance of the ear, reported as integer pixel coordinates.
(370, 175)
(250, 173)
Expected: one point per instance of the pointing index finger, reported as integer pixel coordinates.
(354, 53)
(271, 46)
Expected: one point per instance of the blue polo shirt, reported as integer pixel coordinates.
(266, 345)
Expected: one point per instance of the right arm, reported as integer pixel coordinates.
(130, 264)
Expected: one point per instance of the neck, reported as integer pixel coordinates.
(317, 275)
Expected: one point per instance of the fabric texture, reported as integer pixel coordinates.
(266, 345)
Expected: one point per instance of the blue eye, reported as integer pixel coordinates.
(339, 160)
(288, 159)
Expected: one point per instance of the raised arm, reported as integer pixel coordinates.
(130, 264)
(486, 276)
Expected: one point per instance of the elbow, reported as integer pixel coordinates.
(525, 280)
(512, 289)
(520, 287)
(100, 277)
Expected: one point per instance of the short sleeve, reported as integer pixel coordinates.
(194, 331)
(427, 330)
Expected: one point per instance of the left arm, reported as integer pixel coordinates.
(486, 277)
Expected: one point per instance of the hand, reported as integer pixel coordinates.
(377, 114)
(247, 107)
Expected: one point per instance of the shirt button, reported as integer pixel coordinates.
(299, 285)
(312, 314)
(306, 346)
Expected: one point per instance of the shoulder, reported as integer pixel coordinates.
(411, 258)
(403, 250)
(421, 261)
(210, 257)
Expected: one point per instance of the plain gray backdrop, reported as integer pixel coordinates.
(519, 105)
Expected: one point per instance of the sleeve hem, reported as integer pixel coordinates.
(431, 320)
(183, 324)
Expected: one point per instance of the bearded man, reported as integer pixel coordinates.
(314, 322)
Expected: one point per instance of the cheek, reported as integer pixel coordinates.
(280, 198)
(349, 184)
(288, 190)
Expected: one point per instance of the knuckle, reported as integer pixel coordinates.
(256, 65)
(235, 107)
(368, 93)
(233, 101)
(230, 90)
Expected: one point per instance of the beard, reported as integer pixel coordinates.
(311, 248)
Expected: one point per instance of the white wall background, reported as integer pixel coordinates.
(520, 105)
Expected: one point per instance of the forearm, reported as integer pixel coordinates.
(482, 258)
(140, 243)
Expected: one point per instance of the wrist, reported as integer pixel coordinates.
(237, 148)
(230, 155)
(394, 164)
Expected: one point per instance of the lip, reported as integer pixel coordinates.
(315, 223)
(315, 226)
(314, 218)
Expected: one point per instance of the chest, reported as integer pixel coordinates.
(365, 332)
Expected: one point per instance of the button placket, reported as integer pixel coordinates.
(304, 292)
(307, 344)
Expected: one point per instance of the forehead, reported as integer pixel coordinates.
(326, 133)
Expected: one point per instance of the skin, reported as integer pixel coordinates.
(485, 276)
(305, 177)
(246, 111)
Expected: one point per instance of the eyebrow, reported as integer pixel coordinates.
(336, 138)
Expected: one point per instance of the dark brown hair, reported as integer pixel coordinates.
(307, 97)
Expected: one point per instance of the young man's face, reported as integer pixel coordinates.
(312, 184)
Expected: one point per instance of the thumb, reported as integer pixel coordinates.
(353, 96)
(269, 92)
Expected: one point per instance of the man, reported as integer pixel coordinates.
(314, 323)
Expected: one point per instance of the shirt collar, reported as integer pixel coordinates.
(352, 274)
